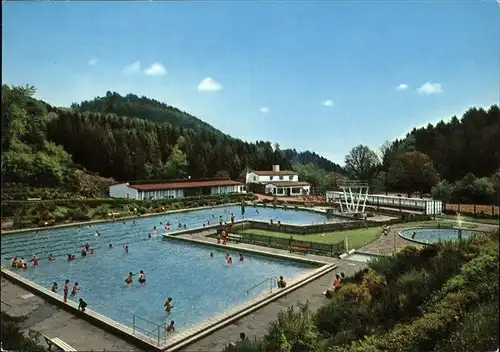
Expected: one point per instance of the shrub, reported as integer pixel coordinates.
(78, 215)
(478, 331)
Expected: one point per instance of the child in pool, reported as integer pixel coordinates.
(75, 289)
(170, 327)
(128, 279)
(142, 277)
(168, 305)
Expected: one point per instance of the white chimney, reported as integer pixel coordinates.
(276, 168)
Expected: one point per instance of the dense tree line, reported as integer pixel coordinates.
(457, 161)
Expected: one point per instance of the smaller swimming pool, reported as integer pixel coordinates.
(435, 235)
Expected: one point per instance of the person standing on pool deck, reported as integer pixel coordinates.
(168, 305)
(66, 289)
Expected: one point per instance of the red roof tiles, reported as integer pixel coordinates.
(184, 184)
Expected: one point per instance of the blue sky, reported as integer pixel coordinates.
(322, 76)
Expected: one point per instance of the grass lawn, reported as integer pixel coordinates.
(471, 219)
(356, 238)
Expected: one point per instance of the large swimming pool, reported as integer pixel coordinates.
(199, 284)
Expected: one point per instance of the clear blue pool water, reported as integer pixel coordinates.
(200, 286)
(435, 235)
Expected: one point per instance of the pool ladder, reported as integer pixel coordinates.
(272, 283)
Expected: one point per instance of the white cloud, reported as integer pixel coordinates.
(156, 69)
(430, 88)
(328, 102)
(208, 84)
(264, 110)
(92, 62)
(133, 68)
(402, 86)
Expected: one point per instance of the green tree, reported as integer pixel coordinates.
(362, 162)
(413, 171)
(176, 164)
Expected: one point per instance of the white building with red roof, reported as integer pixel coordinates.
(175, 188)
(284, 183)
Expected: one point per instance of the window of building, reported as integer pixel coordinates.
(255, 178)
(281, 178)
(296, 190)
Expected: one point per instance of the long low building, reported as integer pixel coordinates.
(429, 206)
(175, 188)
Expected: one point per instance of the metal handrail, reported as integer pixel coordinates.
(155, 332)
(271, 279)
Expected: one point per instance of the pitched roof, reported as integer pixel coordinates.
(288, 183)
(274, 173)
(178, 184)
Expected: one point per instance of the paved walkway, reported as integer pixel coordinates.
(54, 322)
(385, 245)
(255, 324)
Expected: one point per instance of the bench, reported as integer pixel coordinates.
(236, 238)
(60, 344)
(300, 248)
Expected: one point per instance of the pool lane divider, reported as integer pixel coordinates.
(130, 217)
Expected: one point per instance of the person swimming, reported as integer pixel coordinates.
(168, 305)
(84, 251)
(54, 287)
(35, 260)
(128, 279)
(91, 251)
(75, 289)
(211, 255)
(142, 277)
(241, 257)
(110, 245)
(170, 327)
(149, 235)
(51, 258)
(230, 260)
(126, 249)
(14, 261)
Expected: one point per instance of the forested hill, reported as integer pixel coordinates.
(461, 146)
(308, 157)
(149, 109)
(145, 108)
(43, 146)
